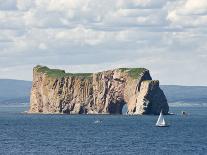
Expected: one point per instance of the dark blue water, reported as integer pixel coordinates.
(78, 134)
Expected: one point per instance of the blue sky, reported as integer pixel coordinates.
(169, 37)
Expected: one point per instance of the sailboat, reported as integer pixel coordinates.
(161, 121)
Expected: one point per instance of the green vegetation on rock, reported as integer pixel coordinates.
(58, 73)
(133, 72)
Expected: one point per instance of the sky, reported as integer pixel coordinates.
(168, 37)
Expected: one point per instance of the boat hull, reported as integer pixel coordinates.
(162, 125)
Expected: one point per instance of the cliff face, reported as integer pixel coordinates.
(55, 91)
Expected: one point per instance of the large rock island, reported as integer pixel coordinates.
(54, 91)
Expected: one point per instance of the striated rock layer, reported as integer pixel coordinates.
(55, 91)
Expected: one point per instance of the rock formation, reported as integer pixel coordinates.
(55, 91)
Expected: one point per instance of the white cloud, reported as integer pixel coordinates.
(11, 20)
(189, 13)
(195, 7)
(103, 34)
(25, 5)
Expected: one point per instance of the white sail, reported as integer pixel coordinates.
(161, 120)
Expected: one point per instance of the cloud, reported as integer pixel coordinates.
(195, 7)
(94, 35)
(24, 5)
(189, 13)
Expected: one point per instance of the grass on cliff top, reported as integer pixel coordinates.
(133, 72)
(59, 73)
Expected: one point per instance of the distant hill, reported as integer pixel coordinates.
(14, 91)
(18, 91)
(188, 94)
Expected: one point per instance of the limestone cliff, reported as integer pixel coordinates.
(55, 91)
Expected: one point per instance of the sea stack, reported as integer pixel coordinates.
(54, 91)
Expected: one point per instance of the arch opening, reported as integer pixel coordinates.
(124, 109)
(117, 107)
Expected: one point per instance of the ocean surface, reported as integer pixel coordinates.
(23, 134)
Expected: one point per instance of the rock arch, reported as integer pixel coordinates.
(99, 93)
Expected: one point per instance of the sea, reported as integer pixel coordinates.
(36, 134)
